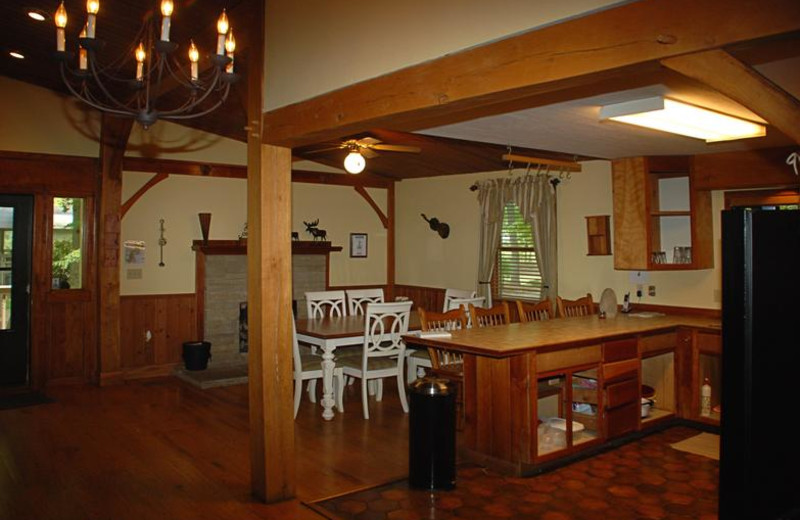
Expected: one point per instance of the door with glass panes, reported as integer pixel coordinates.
(16, 219)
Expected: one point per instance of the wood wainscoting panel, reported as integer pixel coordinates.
(429, 298)
(171, 320)
(70, 325)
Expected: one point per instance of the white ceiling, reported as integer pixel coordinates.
(574, 126)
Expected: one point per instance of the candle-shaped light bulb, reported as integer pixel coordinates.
(194, 55)
(83, 55)
(230, 46)
(140, 56)
(166, 11)
(61, 23)
(92, 7)
(222, 30)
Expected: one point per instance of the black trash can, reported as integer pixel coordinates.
(196, 354)
(432, 434)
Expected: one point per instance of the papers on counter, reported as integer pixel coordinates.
(432, 334)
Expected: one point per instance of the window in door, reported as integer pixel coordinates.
(516, 274)
(6, 245)
(68, 264)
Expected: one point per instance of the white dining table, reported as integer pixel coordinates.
(329, 334)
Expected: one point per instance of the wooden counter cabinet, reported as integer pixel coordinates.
(568, 412)
(621, 387)
(658, 369)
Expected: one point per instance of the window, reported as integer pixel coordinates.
(67, 243)
(516, 274)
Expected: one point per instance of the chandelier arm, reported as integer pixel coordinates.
(102, 87)
(199, 100)
(207, 111)
(88, 100)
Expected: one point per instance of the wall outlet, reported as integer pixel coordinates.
(651, 290)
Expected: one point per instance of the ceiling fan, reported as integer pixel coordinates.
(365, 148)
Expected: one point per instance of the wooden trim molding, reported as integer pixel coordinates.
(128, 204)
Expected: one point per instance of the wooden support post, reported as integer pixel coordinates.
(269, 294)
(390, 245)
(114, 134)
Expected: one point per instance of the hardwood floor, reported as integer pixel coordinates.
(163, 449)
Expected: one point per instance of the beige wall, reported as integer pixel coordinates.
(180, 198)
(425, 259)
(316, 46)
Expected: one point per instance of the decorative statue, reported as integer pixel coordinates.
(311, 227)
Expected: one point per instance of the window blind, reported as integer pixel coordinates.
(517, 273)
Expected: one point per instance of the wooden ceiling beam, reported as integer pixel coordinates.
(743, 84)
(555, 58)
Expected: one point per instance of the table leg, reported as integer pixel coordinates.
(327, 382)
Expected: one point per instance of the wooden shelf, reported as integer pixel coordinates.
(670, 213)
(598, 232)
(239, 247)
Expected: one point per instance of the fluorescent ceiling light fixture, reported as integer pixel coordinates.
(17, 55)
(675, 117)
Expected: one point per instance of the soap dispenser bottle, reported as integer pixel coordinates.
(705, 398)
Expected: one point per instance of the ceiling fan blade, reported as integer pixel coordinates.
(368, 141)
(323, 150)
(396, 148)
(368, 153)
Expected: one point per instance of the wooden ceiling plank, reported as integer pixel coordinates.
(743, 84)
(381, 215)
(569, 54)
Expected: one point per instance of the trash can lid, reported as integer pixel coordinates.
(430, 385)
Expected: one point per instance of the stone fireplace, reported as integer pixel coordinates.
(221, 286)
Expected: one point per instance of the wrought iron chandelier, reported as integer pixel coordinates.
(161, 87)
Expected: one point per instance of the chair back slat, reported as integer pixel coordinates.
(571, 308)
(493, 316)
(357, 299)
(534, 311)
(455, 319)
(321, 304)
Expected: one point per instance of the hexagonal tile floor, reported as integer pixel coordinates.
(645, 479)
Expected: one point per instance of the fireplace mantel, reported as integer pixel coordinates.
(239, 247)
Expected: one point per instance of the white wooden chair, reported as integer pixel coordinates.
(320, 304)
(357, 299)
(383, 352)
(308, 367)
(475, 301)
(449, 294)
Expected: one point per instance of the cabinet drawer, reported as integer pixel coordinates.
(621, 393)
(658, 342)
(711, 343)
(622, 420)
(621, 370)
(620, 350)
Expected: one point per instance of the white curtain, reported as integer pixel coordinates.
(536, 198)
(491, 198)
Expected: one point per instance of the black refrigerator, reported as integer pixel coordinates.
(760, 443)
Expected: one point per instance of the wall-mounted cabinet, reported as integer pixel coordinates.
(660, 221)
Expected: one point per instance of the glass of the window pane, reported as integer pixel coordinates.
(551, 432)
(68, 220)
(6, 251)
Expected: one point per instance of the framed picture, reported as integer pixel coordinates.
(358, 245)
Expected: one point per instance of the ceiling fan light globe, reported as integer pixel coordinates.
(354, 163)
